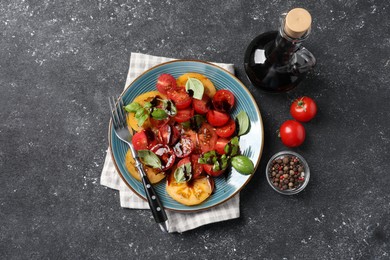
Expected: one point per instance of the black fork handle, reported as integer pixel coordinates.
(154, 202)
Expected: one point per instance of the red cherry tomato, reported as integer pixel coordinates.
(303, 109)
(158, 123)
(292, 133)
(165, 83)
(216, 118)
(197, 168)
(223, 100)
(226, 130)
(220, 145)
(201, 106)
(184, 147)
(184, 115)
(207, 137)
(208, 168)
(168, 134)
(166, 155)
(183, 161)
(140, 141)
(181, 98)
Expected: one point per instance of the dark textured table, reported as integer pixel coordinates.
(60, 60)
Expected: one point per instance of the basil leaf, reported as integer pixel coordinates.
(243, 164)
(209, 157)
(183, 173)
(148, 105)
(243, 123)
(149, 158)
(186, 125)
(141, 119)
(196, 86)
(133, 107)
(159, 114)
(233, 147)
(169, 107)
(140, 112)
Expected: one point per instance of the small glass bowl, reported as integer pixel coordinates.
(288, 191)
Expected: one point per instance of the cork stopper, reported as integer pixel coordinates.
(297, 22)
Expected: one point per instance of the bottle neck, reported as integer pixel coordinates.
(285, 46)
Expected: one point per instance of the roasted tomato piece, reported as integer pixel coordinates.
(227, 130)
(184, 115)
(208, 168)
(201, 106)
(220, 145)
(165, 83)
(181, 98)
(184, 147)
(166, 155)
(197, 168)
(207, 137)
(223, 100)
(216, 118)
(168, 134)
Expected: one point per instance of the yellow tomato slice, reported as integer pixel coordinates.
(209, 88)
(189, 194)
(142, 99)
(153, 175)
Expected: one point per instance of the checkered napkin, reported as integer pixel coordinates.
(177, 222)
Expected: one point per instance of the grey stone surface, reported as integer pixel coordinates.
(59, 60)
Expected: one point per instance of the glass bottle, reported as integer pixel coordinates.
(276, 61)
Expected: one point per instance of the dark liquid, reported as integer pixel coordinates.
(264, 60)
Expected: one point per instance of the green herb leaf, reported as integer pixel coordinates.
(140, 112)
(243, 164)
(186, 125)
(209, 157)
(169, 107)
(183, 173)
(133, 107)
(196, 86)
(148, 105)
(159, 114)
(243, 123)
(149, 158)
(233, 147)
(141, 119)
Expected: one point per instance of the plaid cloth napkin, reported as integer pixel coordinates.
(177, 222)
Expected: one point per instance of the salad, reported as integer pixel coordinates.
(184, 132)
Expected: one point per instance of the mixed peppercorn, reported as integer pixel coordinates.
(287, 173)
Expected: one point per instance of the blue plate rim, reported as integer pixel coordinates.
(257, 111)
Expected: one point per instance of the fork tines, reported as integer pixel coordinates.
(118, 115)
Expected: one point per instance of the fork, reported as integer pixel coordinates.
(119, 121)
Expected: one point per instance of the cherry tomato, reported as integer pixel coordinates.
(183, 161)
(223, 100)
(201, 106)
(140, 141)
(181, 98)
(158, 123)
(216, 118)
(184, 147)
(226, 130)
(168, 134)
(197, 168)
(208, 168)
(165, 83)
(220, 145)
(183, 115)
(207, 137)
(166, 155)
(292, 133)
(303, 109)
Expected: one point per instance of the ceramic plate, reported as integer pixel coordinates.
(251, 144)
